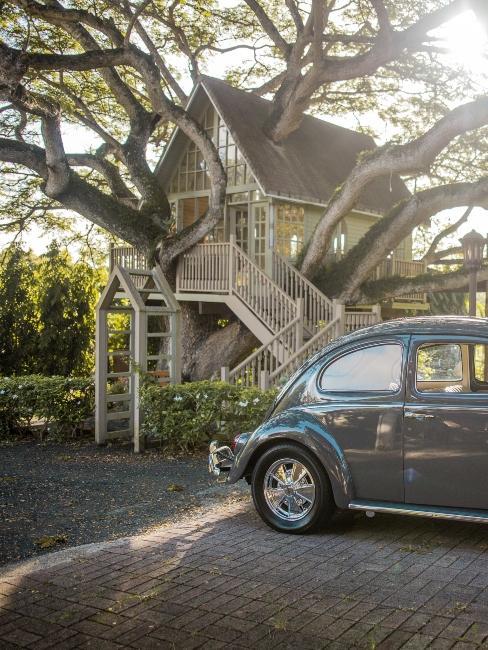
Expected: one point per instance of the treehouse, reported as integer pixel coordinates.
(275, 196)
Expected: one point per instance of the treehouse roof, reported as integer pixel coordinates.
(308, 166)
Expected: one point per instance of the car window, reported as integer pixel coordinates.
(452, 368)
(376, 368)
(480, 363)
(439, 362)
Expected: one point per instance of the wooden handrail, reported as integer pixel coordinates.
(313, 345)
(258, 291)
(127, 257)
(318, 308)
(269, 357)
(204, 269)
(355, 320)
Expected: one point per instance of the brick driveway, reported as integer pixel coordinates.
(225, 580)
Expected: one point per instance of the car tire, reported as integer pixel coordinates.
(285, 503)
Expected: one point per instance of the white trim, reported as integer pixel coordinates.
(286, 198)
(236, 140)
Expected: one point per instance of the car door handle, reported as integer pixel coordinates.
(419, 416)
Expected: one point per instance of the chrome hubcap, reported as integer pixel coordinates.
(289, 489)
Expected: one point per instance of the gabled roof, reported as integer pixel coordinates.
(308, 166)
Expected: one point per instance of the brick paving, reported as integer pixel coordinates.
(224, 580)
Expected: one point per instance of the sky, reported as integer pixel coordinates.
(465, 41)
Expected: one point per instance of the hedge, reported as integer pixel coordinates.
(59, 404)
(181, 417)
(185, 416)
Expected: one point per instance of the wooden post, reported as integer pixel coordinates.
(224, 373)
(140, 340)
(232, 240)
(377, 312)
(101, 347)
(176, 346)
(299, 326)
(264, 380)
(339, 311)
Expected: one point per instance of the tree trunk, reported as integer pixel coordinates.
(205, 346)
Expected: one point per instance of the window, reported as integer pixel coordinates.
(377, 368)
(191, 174)
(290, 230)
(480, 363)
(439, 363)
(452, 368)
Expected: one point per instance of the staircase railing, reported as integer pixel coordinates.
(267, 359)
(317, 308)
(225, 268)
(322, 338)
(258, 291)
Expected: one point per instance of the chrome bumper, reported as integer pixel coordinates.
(220, 460)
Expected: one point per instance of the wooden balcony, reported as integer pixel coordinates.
(405, 269)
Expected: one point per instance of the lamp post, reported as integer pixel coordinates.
(473, 245)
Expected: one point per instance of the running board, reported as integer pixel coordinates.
(440, 512)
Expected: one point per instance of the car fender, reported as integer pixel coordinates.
(307, 431)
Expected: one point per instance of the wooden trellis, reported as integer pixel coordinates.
(138, 331)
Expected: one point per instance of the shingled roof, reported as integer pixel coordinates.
(308, 166)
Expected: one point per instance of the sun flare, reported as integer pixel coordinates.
(466, 41)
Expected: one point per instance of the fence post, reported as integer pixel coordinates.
(299, 326)
(339, 311)
(264, 380)
(224, 374)
(377, 313)
(232, 243)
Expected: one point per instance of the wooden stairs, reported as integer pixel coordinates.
(290, 317)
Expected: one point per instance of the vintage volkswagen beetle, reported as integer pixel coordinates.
(391, 418)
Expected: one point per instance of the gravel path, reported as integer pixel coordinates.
(64, 495)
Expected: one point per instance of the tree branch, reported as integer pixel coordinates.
(431, 254)
(414, 156)
(269, 27)
(387, 233)
(142, 230)
(427, 283)
(108, 171)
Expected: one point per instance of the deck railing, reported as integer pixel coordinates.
(127, 257)
(322, 338)
(317, 308)
(205, 269)
(354, 320)
(267, 359)
(405, 269)
(225, 268)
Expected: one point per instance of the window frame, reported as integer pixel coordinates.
(422, 397)
(439, 381)
(356, 348)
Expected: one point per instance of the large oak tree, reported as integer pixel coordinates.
(115, 68)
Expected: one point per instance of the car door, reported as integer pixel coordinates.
(360, 402)
(446, 422)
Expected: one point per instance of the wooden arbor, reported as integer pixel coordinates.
(138, 332)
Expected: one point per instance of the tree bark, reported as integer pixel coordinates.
(415, 156)
(386, 234)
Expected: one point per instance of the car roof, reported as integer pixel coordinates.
(455, 325)
(443, 325)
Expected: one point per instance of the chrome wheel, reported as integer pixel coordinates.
(289, 489)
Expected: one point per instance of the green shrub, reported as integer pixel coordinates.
(61, 404)
(185, 416)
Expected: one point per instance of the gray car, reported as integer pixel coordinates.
(392, 418)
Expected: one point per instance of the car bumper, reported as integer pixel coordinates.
(220, 460)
